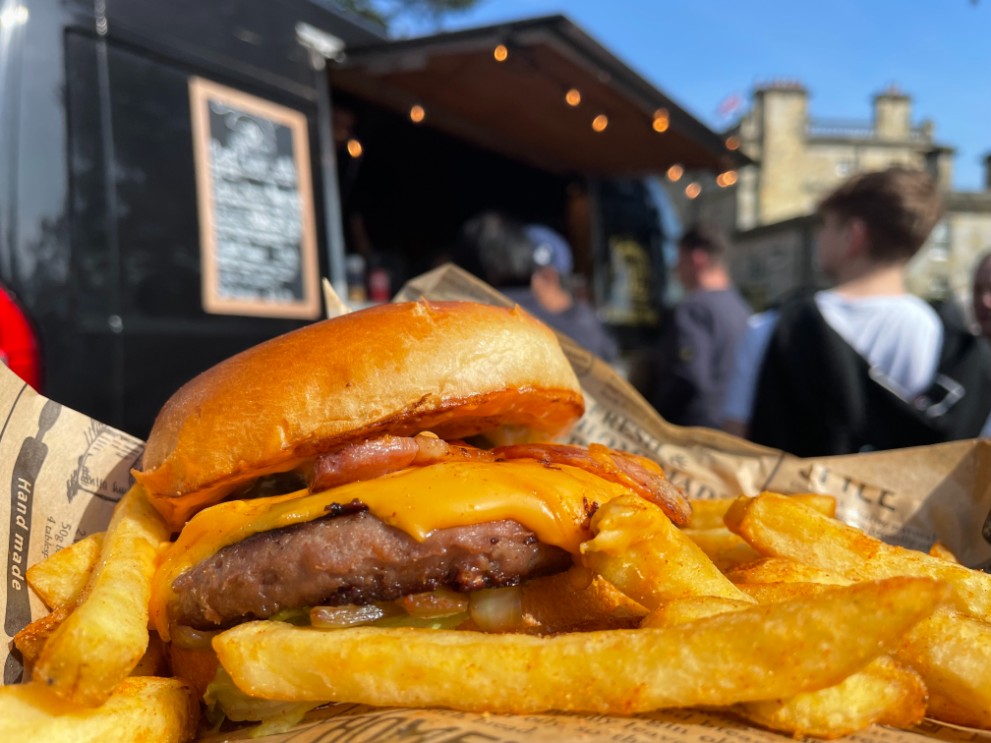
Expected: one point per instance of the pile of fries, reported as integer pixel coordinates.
(767, 608)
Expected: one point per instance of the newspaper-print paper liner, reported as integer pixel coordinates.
(66, 471)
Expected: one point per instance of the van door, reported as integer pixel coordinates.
(141, 327)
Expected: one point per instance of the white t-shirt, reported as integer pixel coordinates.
(900, 336)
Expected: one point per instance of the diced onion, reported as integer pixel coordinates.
(439, 603)
(349, 615)
(496, 609)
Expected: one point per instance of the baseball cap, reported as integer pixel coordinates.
(550, 248)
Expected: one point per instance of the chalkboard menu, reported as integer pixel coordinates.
(255, 194)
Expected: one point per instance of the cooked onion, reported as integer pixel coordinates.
(496, 609)
(189, 638)
(349, 615)
(439, 603)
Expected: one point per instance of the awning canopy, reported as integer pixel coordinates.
(518, 106)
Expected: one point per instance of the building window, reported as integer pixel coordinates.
(844, 168)
(939, 242)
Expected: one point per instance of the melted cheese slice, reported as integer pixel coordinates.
(552, 501)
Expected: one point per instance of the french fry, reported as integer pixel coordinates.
(943, 552)
(576, 600)
(884, 692)
(782, 570)
(140, 709)
(722, 546)
(757, 653)
(639, 550)
(155, 660)
(690, 608)
(950, 652)
(708, 513)
(106, 635)
(953, 655)
(31, 640)
(59, 580)
(778, 526)
(774, 593)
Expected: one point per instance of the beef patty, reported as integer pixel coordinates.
(354, 558)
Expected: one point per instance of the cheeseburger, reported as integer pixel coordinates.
(381, 466)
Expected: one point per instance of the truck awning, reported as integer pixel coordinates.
(517, 107)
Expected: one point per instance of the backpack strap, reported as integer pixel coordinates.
(958, 402)
(817, 396)
(809, 392)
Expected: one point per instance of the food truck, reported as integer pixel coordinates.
(178, 178)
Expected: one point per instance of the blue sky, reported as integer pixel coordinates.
(701, 52)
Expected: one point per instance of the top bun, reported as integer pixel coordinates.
(454, 368)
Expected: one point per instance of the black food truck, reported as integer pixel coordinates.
(176, 178)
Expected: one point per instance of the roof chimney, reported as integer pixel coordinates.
(892, 110)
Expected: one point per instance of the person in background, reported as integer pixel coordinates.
(982, 294)
(697, 349)
(864, 365)
(529, 265)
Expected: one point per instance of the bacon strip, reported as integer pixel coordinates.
(640, 474)
(366, 460)
(373, 458)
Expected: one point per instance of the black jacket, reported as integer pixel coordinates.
(817, 396)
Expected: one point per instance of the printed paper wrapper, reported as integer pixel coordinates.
(66, 471)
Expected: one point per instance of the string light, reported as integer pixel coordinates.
(675, 172)
(692, 190)
(417, 113)
(661, 120)
(726, 179)
(354, 148)
(732, 142)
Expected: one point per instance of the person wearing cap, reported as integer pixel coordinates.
(697, 351)
(528, 263)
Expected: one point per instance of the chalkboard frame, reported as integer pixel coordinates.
(202, 92)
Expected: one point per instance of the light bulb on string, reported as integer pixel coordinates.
(732, 142)
(417, 113)
(692, 190)
(500, 53)
(600, 122)
(675, 172)
(573, 97)
(354, 148)
(726, 179)
(661, 120)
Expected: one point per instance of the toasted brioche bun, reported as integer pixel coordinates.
(454, 368)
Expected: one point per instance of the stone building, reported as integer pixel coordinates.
(800, 158)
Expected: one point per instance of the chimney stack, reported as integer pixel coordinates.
(892, 110)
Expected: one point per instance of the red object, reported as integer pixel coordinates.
(19, 347)
(379, 289)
